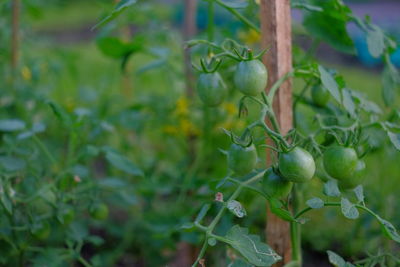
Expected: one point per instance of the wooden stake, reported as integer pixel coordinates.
(276, 34)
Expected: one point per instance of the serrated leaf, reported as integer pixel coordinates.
(359, 191)
(315, 203)
(329, 83)
(251, 247)
(375, 42)
(202, 212)
(123, 163)
(121, 6)
(11, 125)
(331, 188)
(236, 208)
(349, 210)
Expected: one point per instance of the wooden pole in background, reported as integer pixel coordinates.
(16, 6)
(276, 34)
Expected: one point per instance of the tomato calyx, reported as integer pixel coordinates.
(247, 54)
(208, 66)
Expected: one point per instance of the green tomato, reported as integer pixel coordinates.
(297, 165)
(356, 179)
(211, 89)
(320, 95)
(320, 170)
(274, 185)
(242, 160)
(340, 162)
(41, 231)
(99, 211)
(67, 216)
(251, 77)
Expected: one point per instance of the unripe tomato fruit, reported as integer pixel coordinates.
(297, 165)
(67, 216)
(211, 89)
(99, 211)
(274, 185)
(355, 179)
(41, 231)
(320, 170)
(340, 162)
(251, 77)
(242, 160)
(320, 95)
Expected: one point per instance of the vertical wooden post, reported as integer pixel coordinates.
(16, 4)
(276, 34)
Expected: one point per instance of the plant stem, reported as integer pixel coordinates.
(202, 252)
(208, 230)
(238, 15)
(44, 149)
(210, 23)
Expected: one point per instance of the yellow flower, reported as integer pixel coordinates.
(187, 127)
(182, 106)
(249, 37)
(170, 129)
(230, 108)
(26, 73)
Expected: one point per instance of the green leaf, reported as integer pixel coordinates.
(331, 188)
(315, 203)
(202, 212)
(330, 24)
(11, 125)
(212, 241)
(375, 41)
(394, 138)
(61, 113)
(123, 163)
(389, 230)
(359, 191)
(239, 263)
(349, 210)
(12, 164)
(5, 200)
(121, 6)
(329, 83)
(276, 208)
(306, 6)
(236, 208)
(235, 3)
(251, 247)
(390, 83)
(335, 259)
(348, 103)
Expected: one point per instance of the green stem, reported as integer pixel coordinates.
(44, 149)
(276, 86)
(238, 15)
(209, 230)
(210, 23)
(202, 252)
